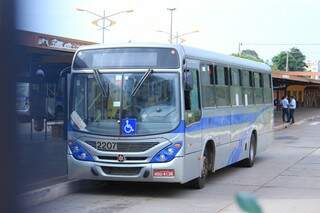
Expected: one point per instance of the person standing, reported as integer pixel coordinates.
(285, 104)
(292, 107)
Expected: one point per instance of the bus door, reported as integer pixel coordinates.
(193, 133)
(222, 115)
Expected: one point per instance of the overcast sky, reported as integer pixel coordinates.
(222, 23)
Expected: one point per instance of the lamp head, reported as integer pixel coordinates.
(79, 9)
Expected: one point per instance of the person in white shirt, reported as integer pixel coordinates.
(285, 113)
(292, 107)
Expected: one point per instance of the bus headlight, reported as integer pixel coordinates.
(167, 154)
(78, 152)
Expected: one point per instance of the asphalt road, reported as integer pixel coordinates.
(285, 178)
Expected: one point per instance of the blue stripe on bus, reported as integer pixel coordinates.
(237, 151)
(220, 121)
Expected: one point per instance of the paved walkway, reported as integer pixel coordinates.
(300, 115)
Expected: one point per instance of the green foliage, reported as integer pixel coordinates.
(296, 60)
(249, 54)
(248, 203)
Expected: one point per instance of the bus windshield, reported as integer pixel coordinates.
(155, 106)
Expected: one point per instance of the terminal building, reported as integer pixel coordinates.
(41, 83)
(302, 85)
(41, 89)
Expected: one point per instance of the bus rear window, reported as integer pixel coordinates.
(132, 57)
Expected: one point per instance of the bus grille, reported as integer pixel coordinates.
(129, 147)
(121, 170)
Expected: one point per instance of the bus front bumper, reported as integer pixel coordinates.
(171, 172)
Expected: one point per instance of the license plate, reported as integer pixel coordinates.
(163, 173)
(106, 146)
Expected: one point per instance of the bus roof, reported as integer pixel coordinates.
(192, 52)
(225, 59)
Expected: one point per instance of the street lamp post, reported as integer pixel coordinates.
(103, 18)
(171, 14)
(179, 36)
(103, 25)
(239, 48)
(184, 34)
(287, 62)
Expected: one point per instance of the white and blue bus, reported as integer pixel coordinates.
(165, 113)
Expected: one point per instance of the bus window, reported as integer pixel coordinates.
(222, 88)
(247, 91)
(80, 94)
(266, 83)
(208, 74)
(205, 74)
(257, 80)
(226, 76)
(258, 94)
(245, 79)
(261, 80)
(270, 81)
(220, 79)
(235, 77)
(192, 99)
(207, 85)
(235, 89)
(212, 71)
(240, 78)
(251, 79)
(267, 91)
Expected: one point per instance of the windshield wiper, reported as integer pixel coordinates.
(142, 79)
(104, 88)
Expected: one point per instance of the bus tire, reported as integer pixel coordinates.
(199, 182)
(249, 162)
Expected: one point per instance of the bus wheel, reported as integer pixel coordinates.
(199, 182)
(249, 162)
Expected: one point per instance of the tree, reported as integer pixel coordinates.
(248, 54)
(296, 60)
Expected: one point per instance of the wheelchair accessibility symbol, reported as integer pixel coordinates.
(128, 126)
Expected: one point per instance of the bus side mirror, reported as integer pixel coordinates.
(188, 80)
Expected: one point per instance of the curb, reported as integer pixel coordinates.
(49, 193)
(281, 126)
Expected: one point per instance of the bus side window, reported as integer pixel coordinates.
(235, 88)
(246, 85)
(267, 91)
(207, 84)
(258, 91)
(251, 79)
(226, 76)
(192, 98)
(222, 86)
(212, 71)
